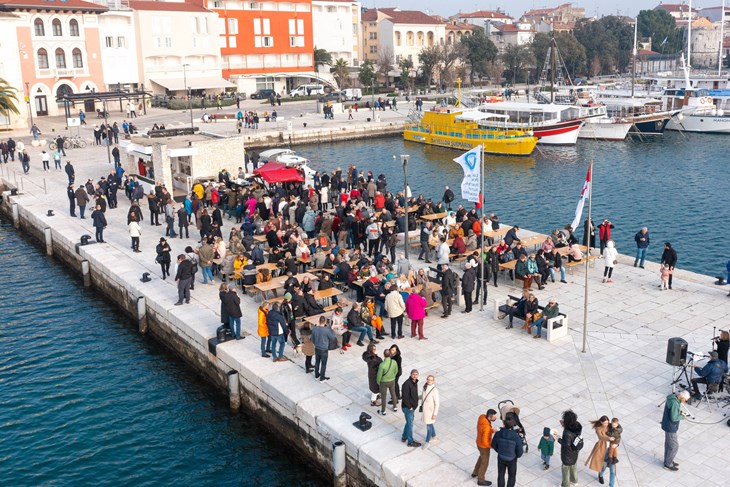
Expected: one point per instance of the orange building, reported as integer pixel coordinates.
(60, 53)
(266, 45)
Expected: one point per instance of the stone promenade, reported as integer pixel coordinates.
(476, 361)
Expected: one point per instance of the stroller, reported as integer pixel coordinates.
(507, 408)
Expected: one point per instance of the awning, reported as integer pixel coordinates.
(276, 172)
(178, 84)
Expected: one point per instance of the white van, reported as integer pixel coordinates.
(352, 93)
(307, 90)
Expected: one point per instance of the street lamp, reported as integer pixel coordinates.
(190, 98)
(27, 101)
(372, 98)
(106, 127)
(404, 160)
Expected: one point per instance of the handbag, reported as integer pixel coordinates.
(420, 408)
(332, 345)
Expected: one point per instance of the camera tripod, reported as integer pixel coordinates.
(684, 371)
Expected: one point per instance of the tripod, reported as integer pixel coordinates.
(681, 373)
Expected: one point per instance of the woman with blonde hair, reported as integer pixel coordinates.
(430, 403)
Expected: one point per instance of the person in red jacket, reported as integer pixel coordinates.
(604, 233)
(379, 201)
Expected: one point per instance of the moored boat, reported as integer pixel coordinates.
(552, 124)
(464, 129)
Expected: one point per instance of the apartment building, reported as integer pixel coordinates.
(177, 47)
(405, 32)
(118, 41)
(56, 45)
(266, 44)
(336, 28)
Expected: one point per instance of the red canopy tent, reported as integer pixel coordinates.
(276, 172)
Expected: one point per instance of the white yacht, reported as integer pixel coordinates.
(552, 124)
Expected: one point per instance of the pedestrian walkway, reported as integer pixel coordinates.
(477, 363)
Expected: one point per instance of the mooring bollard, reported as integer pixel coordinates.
(16, 215)
(85, 272)
(142, 315)
(49, 240)
(234, 395)
(338, 464)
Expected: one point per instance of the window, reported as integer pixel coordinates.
(268, 41)
(218, 4)
(60, 59)
(39, 28)
(156, 24)
(168, 41)
(232, 26)
(73, 27)
(262, 26)
(331, 9)
(121, 42)
(166, 25)
(109, 41)
(372, 36)
(157, 41)
(42, 59)
(373, 49)
(232, 41)
(57, 31)
(77, 58)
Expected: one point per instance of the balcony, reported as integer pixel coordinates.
(62, 73)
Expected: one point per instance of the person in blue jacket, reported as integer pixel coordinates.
(642, 243)
(711, 373)
(508, 445)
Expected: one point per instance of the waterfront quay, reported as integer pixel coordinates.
(476, 361)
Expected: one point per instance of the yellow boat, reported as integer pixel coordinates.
(460, 129)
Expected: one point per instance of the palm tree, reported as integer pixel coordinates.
(8, 99)
(342, 73)
(321, 56)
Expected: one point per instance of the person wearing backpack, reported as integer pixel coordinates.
(508, 445)
(570, 445)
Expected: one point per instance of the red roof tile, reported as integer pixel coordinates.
(51, 5)
(400, 16)
(166, 6)
(675, 7)
(484, 14)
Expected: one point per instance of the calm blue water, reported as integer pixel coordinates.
(85, 400)
(676, 185)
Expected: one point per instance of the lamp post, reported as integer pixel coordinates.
(27, 101)
(404, 159)
(190, 98)
(106, 127)
(372, 98)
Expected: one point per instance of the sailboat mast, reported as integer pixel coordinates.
(633, 61)
(552, 69)
(689, 36)
(722, 38)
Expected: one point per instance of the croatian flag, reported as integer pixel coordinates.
(585, 192)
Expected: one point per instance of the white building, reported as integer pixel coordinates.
(482, 17)
(336, 29)
(503, 35)
(405, 32)
(118, 41)
(178, 44)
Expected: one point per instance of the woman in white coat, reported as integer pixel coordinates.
(134, 231)
(609, 257)
(430, 409)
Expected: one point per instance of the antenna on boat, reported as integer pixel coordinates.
(722, 38)
(633, 60)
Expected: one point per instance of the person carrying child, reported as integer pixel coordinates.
(614, 430)
(546, 447)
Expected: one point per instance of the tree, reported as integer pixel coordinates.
(321, 56)
(429, 57)
(8, 99)
(367, 73)
(385, 63)
(479, 50)
(406, 65)
(609, 39)
(516, 59)
(342, 73)
(662, 28)
(572, 51)
(449, 55)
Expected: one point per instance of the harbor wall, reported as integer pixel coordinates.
(300, 135)
(307, 418)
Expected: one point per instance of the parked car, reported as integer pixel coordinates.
(263, 94)
(160, 101)
(334, 97)
(352, 93)
(307, 90)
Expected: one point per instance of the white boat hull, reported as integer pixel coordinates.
(700, 123)
(604, 129)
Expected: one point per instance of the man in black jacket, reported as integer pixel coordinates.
(669, 257)
(233, 307)
(448, 198)
(448, 288)
(511, 236)
(355, 323)
(278, 330)
(184, 278)
(409, 403)
(71, 199)
(468, 280)
(99, 221)
(508, 446)
(425, 235)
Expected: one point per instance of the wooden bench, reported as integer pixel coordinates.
(570, 265)
(555, 328)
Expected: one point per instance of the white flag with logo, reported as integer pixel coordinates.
(471, 162)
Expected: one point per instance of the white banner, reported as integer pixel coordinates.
(471, 162)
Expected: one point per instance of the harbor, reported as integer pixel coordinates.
(622, 373)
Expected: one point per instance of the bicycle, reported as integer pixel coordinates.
(69, 142)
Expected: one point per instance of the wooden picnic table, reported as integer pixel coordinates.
(434, 216)
(564, 250)
(496, 233)
(278, 282)
(318, 295)
(270, 266)
(532, 241)
(259, 238)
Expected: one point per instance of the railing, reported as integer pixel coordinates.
(113, 4)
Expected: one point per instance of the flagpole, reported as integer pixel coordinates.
(481, 239)
(588, 255)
